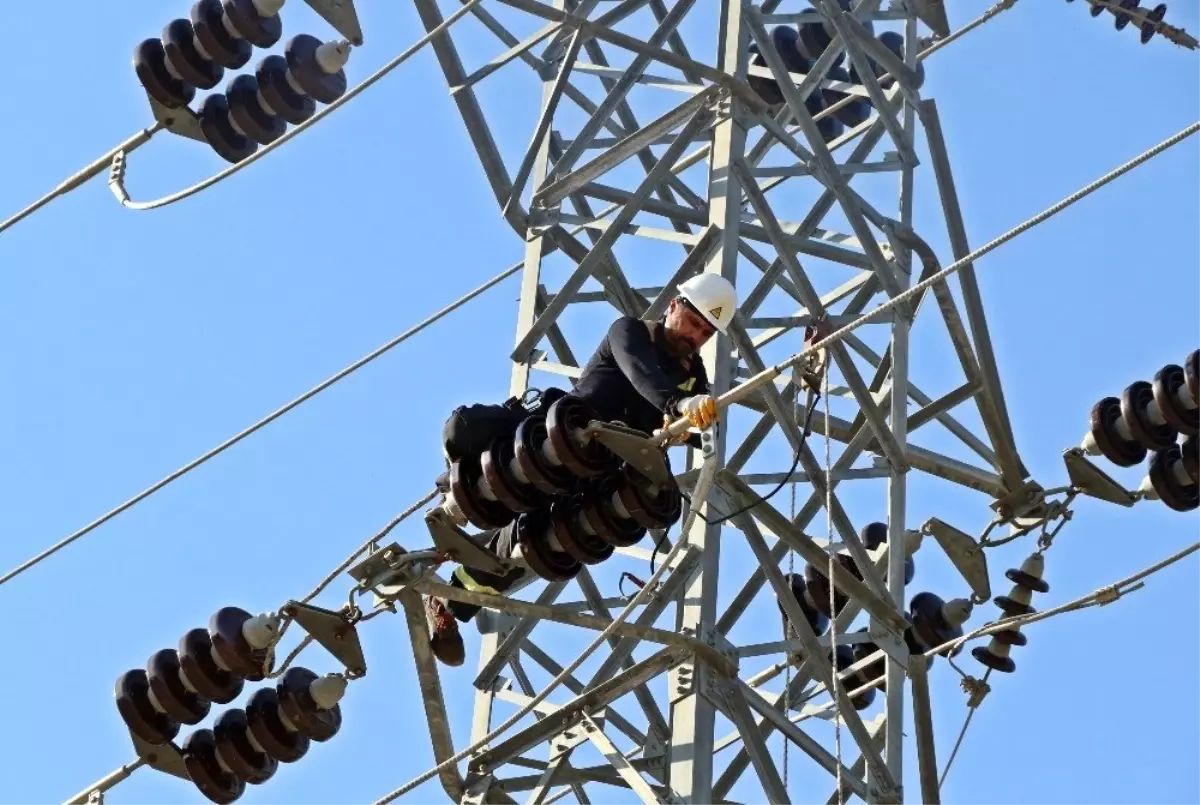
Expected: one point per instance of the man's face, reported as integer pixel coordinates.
(686, 330)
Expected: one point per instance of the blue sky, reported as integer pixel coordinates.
(137, 341)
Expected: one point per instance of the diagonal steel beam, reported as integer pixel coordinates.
(600, 30)
(570, 713)
(738, 711)
(812, 301)
(545, 120)
(993, 409)
(817, 477)
(782, 527)
(814, 652)
(468, 104)
(600, 250)
(564, 185)
(617, 93)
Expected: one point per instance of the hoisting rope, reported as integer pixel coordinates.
(833, 609)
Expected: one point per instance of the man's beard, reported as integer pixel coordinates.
(679, 347)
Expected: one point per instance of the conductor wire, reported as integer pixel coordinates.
(191, 465)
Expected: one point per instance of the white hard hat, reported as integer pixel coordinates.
(713, 296)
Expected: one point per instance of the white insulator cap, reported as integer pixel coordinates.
(1147, 489)
(957, 611)
(260, 631)
(332, 56)
(328, 690)
(268, 8)
(1088, 445)
(1034, 565)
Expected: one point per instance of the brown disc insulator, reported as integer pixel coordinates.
(1136, 401)
(215, 782)
(602, 516)
(583, 458)
(878, 668)
(229, 643)
(138, 710)
(235, 748)
(1169, 389)
(297, 704)
(818, 585)
(528, 443)
(508, 489)
(1109, 441)
(651, 505)
(533, 535)
(277, 738)
(479, 511)
(573, 537)
(1191, 374)
(816, 619)
(844, 658)
(1165, 469)
(209, 679)
(1188, 453)
(873, 535)
(936, 621)
(995, 656)
(183, 705)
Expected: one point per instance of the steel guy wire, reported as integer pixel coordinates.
(837, 722)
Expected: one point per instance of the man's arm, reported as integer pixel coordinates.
(635, 355)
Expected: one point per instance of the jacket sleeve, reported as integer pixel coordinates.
(635, 356)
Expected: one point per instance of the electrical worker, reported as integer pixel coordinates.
(644, 374)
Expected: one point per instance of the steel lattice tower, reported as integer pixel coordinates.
(643, 143)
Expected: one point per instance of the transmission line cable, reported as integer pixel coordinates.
(361, 362)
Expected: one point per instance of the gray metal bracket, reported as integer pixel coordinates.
(342, 15)
(633, 446)
(182, 121)
(461, 547)
(1093, 481)
(332, 631)
(933, 14)
(164, 757)
(964, 553)
(390, 564)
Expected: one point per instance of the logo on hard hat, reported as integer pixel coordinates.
(716, 312)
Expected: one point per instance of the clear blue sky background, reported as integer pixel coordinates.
(136, 341)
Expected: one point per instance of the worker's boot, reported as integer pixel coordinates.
(444, 637)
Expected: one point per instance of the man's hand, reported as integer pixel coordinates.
(700, 410)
